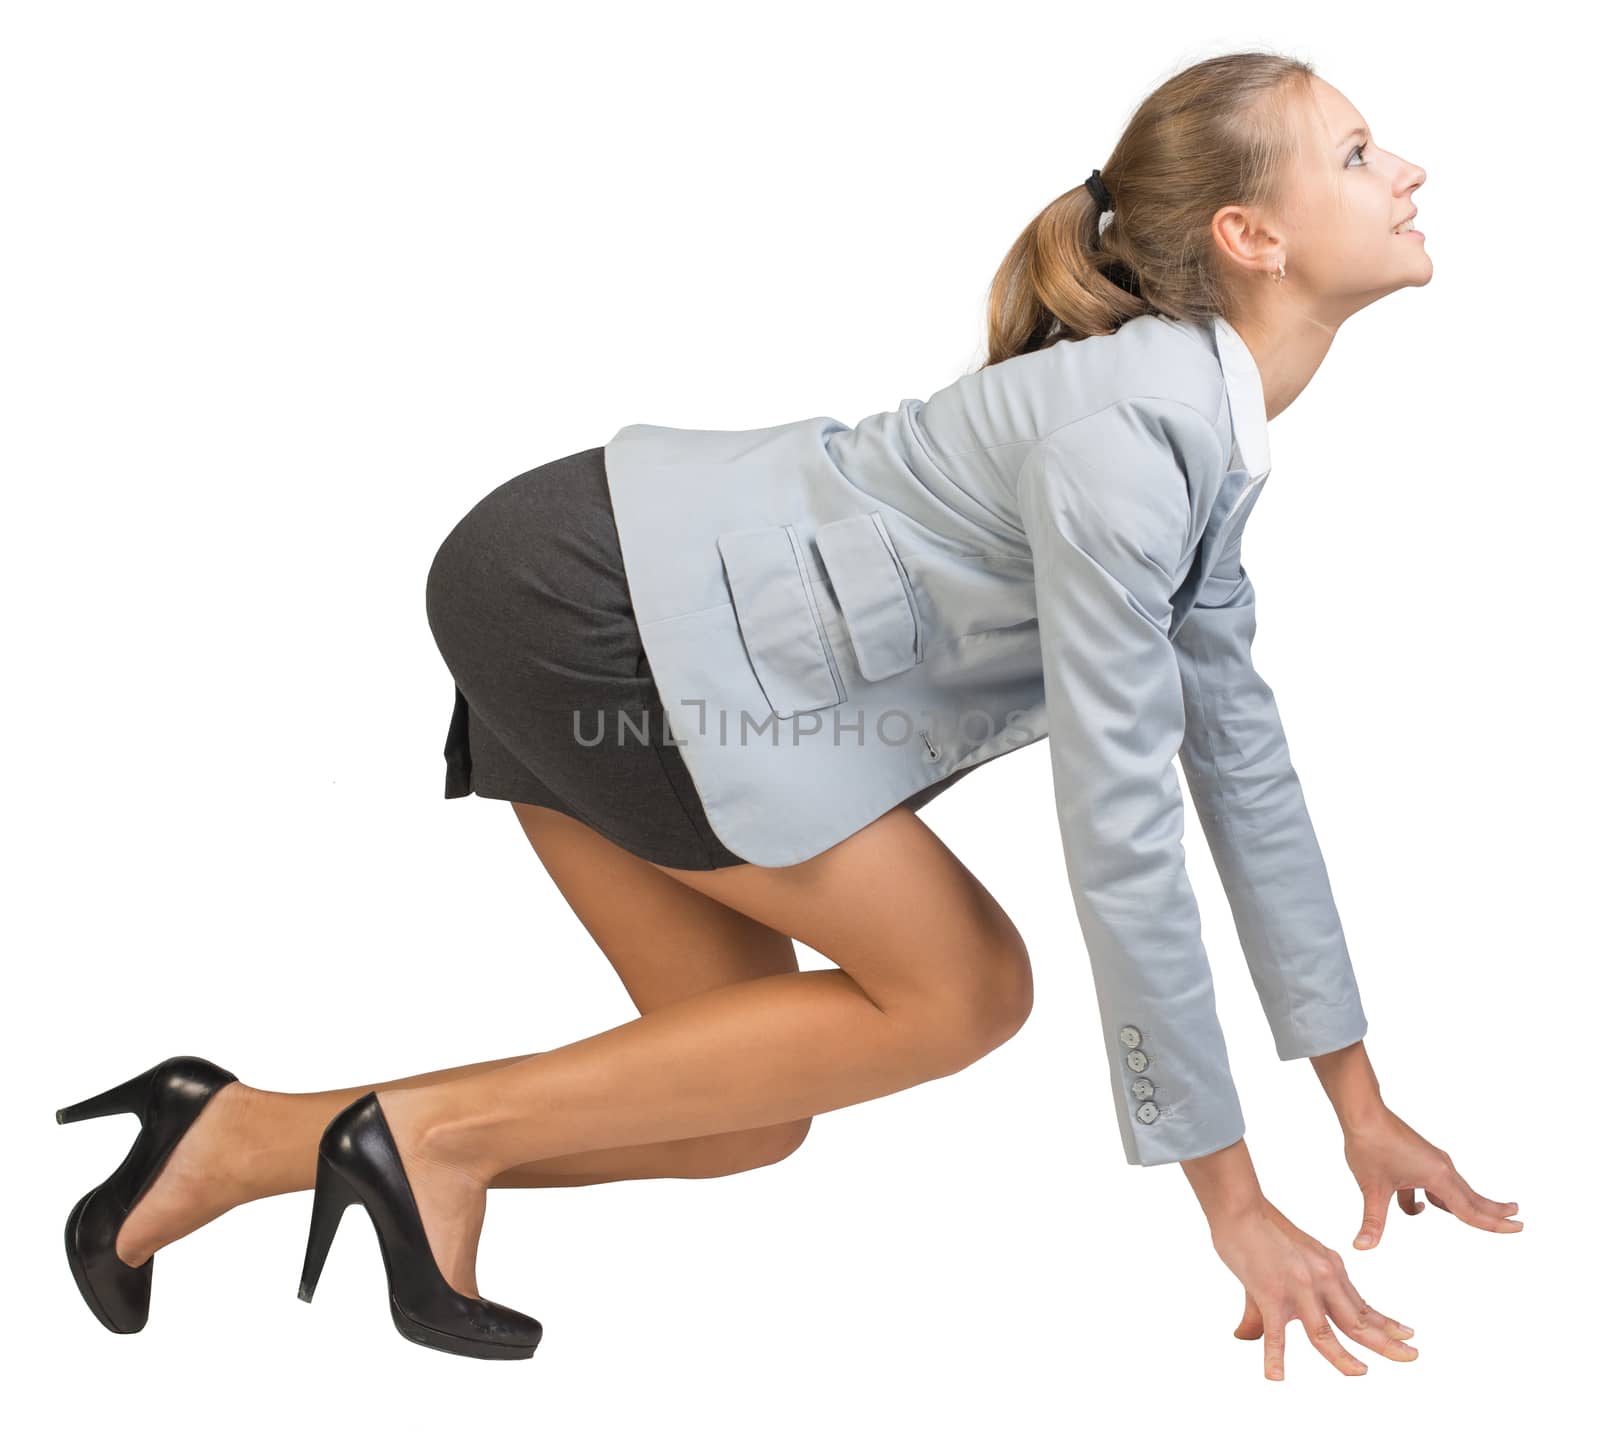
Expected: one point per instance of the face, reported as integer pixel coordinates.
(1336, 230)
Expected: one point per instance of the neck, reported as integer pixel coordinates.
(1288, 346)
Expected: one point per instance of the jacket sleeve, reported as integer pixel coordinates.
(1105, 504)
(1253, 812)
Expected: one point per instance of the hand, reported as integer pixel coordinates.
(1289, 1276)
(1386, 1156)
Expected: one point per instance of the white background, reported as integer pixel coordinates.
(291, 286)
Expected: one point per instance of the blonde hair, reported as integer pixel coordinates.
(1219, 132)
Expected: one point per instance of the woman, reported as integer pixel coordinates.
(717, 673)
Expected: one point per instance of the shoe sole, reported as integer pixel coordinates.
(459, 1346)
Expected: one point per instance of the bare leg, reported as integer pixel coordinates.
(253, 1143)
(665, 940)
(933, 975)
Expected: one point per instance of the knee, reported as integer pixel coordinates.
(746, 1150)
(780, 1141)
(987, 1008)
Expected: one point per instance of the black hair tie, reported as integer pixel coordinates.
(1097, 189)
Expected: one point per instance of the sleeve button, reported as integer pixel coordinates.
(1137, 1060)
(1147, 1112)
(1129, 1036)
(1143, 1089)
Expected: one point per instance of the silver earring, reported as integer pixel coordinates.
(1279, 275)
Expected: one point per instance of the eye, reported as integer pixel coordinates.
(1358, 152)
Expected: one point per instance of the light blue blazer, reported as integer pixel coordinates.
(836, 617)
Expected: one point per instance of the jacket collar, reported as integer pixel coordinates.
(1246, 399)
(1227, 509)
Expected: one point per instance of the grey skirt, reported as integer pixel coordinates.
(528, 602)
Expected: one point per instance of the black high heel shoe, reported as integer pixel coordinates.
(168, 1099)
(358, 1161)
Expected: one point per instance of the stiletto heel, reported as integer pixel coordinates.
(331, 1196)
(168, 1099)
(124, 1099)
(358, 1161)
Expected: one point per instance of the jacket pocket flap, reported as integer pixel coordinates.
(778, 618)
(874, 594)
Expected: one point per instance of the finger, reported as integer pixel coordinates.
(1437, 1201)
(1481, 1205)
(1409, 1202)
(1250, 1327)
(1376, 1212)
(1359, 1303)
(1474, 1210)
(1359, 1306)
(1275, 1330)
(1363, 1323)
(1326, 1340)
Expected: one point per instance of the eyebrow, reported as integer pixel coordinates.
(1358, 131)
